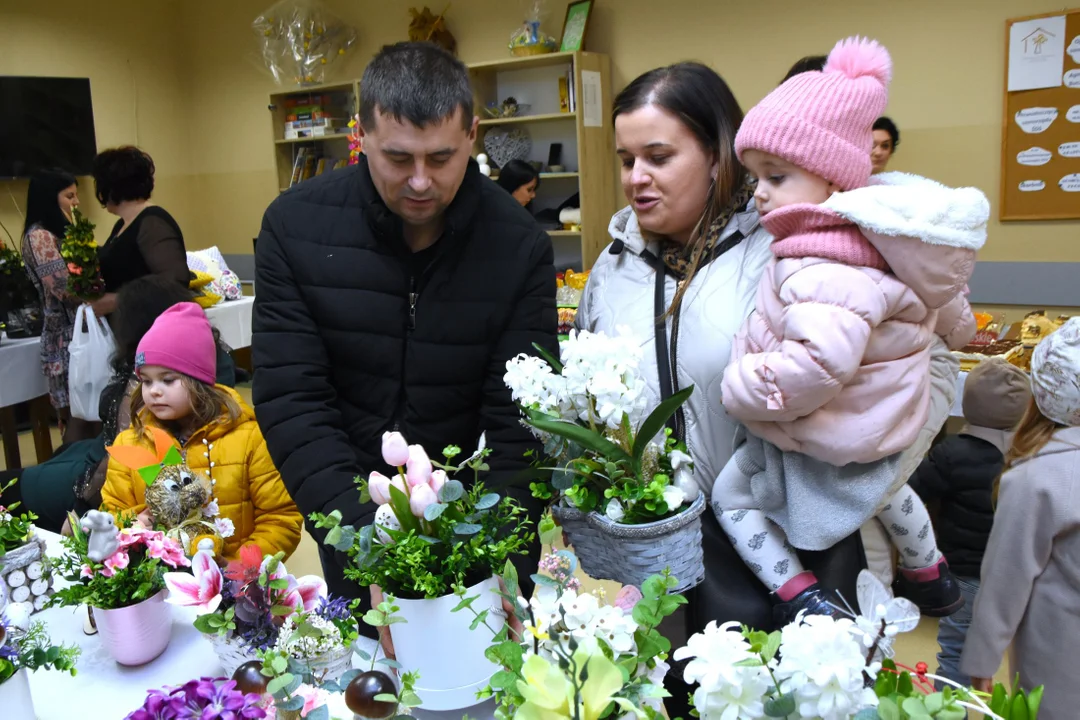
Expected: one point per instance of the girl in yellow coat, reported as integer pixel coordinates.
(215, 430)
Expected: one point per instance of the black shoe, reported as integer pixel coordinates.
(939, 597)
(814, 600)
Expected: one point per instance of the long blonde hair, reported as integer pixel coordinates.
(209, 403)
(1032, 434)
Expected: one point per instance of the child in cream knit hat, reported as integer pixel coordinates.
(830, 374)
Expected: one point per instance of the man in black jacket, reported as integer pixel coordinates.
(390, 295)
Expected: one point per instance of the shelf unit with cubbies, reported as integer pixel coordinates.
(332, 143)
(585, 132)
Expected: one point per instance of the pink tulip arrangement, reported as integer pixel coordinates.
(429, 532)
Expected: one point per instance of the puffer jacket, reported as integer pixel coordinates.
(247, 486)
(621, 292)
(353, 339)
(959, 475)
(834, 361)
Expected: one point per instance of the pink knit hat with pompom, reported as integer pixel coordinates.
(823, 121)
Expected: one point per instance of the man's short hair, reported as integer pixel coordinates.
(415, 81)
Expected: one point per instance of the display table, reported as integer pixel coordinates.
(22, 381)
(233, 321)
(104, 690)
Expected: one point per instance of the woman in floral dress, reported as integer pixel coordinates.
(51, 197)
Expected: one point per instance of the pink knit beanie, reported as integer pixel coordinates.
(823, 121)
(180, 340)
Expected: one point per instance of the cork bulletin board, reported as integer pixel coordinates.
(1040, 144)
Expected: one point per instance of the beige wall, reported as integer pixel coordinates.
(132, 54)
(203, 101)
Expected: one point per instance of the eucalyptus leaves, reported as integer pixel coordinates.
(430, 533)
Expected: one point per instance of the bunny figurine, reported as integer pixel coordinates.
(102, 529)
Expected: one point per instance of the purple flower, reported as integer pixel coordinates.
(202, 699)
(334, 608)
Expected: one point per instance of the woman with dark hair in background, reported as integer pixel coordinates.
(146, 240)
(690, 250)
(520, 179)
(886, 138)
(806, 64)
(51, 196)
(72, 479)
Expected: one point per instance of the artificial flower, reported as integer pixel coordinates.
(822, 663)
(614, 510)
(674, 497)
(438, 479)
(117, 561)
(726, 691)
(627, 597)
(314, 698)
(395, 451)
(246, 568)
(225, 527)
(379, 487)
(549, 694)
(211, 509)
(422, 497)
(87, 571)
(304, 593)
(201, 589)
(418, 467)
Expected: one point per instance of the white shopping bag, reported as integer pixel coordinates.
(89, 368)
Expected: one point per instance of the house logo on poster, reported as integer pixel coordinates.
(1036, 53)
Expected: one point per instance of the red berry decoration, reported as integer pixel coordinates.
(249, 678)
(360, 695)
(921, 668)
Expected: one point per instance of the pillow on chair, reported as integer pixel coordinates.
(224, 281)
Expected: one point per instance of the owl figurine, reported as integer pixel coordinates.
(178, 498)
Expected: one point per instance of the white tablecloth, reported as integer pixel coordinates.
(20, 371)
(104, 690)
(233, 321)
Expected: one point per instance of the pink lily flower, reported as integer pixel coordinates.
(395, 451)
(304, 593)
(422, 497)
(418, 467)
(201, 589)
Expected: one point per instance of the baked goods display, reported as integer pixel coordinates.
(1014, 343)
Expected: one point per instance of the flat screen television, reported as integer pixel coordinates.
(46, 123)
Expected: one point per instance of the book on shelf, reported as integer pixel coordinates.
(564, 95)
(572, 88)
(298, 165)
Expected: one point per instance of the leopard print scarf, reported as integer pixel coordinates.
(677, 257)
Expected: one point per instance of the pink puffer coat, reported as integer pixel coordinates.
(834, 360)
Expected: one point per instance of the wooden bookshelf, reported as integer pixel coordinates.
(586, 135)
(344, 99)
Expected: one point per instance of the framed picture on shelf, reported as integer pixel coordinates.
(576, 25)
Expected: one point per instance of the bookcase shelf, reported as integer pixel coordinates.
(584, 131)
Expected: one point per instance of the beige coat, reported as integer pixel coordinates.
(1030, 592)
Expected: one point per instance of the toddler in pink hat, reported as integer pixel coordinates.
(830, 374)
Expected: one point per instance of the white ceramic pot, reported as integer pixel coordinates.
(15, 698)
(439, 644)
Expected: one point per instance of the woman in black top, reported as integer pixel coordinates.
(146, 240)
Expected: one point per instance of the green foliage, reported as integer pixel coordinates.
(15, 530)
(16, 289)
(1017, 704)
(35, 651)
(80, 251)
(141, 579)
(465, 537)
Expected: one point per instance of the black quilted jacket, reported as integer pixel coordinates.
(959, 475)
(341, 355)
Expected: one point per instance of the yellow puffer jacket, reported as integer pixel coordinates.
(247, 486)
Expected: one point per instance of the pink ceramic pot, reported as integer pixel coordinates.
(136, 634)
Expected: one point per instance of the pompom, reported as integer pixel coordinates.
(858, 57)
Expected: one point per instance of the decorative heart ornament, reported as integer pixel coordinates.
(506, 144)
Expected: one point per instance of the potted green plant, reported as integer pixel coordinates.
(432, 540)
(23, 651)
(621, 485)
(25, 572)
(20, 306)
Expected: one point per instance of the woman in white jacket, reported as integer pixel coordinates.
(689, 250)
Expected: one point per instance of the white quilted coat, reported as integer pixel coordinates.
(620, 291)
